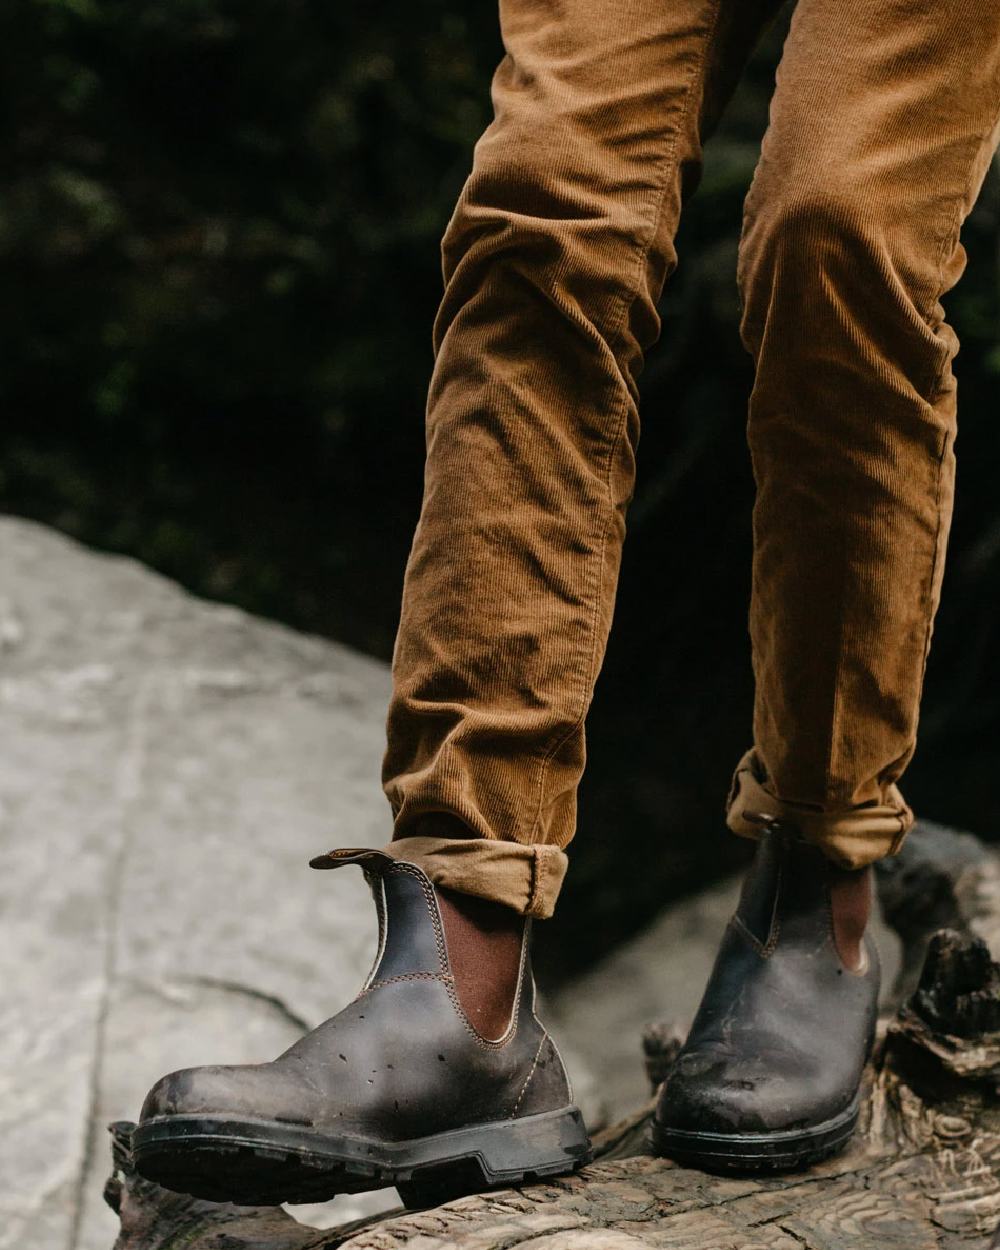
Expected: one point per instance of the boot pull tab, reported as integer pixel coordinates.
(365, 856)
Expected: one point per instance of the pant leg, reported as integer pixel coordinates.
(882, 126)
(553, 262)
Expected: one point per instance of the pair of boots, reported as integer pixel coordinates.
(440, 1079)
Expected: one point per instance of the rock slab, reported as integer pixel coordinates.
(167, 768)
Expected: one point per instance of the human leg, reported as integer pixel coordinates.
(553, 261)
(883, 122)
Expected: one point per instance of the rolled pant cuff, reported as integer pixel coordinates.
(525, 878)
(852, 837)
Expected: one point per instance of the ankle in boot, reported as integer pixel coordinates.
(768, 1077)
(438, 1075)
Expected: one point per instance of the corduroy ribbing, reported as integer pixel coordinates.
(553, 262)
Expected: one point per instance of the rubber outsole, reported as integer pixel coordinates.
(265, 1163)
(784, 1151)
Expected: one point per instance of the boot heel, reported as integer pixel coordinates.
(491, 1156)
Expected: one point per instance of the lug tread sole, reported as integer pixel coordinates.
(252, 1164)
(745, 1153)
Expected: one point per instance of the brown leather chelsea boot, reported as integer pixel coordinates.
(438, 1078)
(768, 1077)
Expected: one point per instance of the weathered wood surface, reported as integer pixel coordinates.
(922, 1174)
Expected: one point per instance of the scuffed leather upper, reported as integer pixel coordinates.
(401, 1060)
(784, 1030)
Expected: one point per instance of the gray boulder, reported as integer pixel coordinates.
(167, 768)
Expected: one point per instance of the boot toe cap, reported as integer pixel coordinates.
(715, 1091)
(218, 1091)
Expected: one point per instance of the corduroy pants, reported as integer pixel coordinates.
(883, 123)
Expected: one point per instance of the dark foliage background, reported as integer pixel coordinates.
(219, 237)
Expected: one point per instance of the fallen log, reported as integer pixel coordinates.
(923, 1172)
(943, 879)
